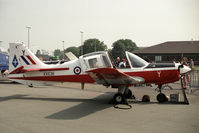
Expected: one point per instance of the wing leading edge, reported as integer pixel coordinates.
(111, 76)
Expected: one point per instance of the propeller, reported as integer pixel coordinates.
(183, 69)
(179, 67)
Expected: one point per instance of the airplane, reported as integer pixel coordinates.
(4, 60)
(96, 67)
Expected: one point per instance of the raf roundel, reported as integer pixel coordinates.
(77, 70)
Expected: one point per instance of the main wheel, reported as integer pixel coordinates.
(161, 98)
(129, 94)
(118, 98)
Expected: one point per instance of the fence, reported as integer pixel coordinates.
(194, 80)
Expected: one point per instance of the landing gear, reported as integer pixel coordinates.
(119, 98)
(161, 97)
(128, 94)
(123, 94)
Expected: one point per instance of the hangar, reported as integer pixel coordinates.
(171, 50)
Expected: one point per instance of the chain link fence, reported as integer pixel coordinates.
(194, 80)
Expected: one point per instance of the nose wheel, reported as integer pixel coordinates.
(161, 97)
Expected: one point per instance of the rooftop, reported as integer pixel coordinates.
(172, 47)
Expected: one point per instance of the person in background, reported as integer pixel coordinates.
(123, 63)
(186, 76)
(192, 73)
(192, 64)
(184, 61)
(118, 61)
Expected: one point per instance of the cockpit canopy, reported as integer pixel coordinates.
(96, 60)
(101, 60)
(135, 61)
(4, 51)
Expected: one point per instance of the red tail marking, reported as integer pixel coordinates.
(31, 60)
(18, 70)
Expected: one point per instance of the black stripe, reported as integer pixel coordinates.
(24, 59)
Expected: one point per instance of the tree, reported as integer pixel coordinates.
(43, 55)
(122, 45)
(92, 45)
(74, 50)
(38, 53)
(58, 53)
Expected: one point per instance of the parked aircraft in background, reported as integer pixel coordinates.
(95, 67)
(4, 60)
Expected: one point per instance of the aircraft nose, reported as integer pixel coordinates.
(184, 69)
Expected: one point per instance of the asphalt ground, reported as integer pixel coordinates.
(65, 108)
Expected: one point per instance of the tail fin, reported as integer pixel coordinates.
(21, 56)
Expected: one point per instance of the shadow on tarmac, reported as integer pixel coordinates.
(17, 96)
(145, 103)
(79, 111)
(85, 108)
(8, 82)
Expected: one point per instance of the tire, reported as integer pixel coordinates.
(146, 98)
(129, 94)
(118, 98)
(161, 98)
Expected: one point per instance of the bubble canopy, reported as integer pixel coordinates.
(135, 61)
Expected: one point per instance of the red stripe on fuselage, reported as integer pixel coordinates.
(21, 70)
(61, 78)
(46, 69)
(158, 77)
(165, 76)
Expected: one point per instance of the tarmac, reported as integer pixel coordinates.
(65, 108)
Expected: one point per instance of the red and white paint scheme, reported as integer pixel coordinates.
(95, 67)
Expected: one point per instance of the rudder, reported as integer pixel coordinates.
(21, 56)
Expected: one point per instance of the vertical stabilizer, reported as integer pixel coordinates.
(21, 56)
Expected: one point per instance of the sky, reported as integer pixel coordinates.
(146, 22)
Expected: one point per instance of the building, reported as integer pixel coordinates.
(171, 50)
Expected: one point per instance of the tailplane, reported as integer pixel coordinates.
(22, 57)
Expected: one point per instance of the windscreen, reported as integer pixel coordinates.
(135, 60)
(106, 61)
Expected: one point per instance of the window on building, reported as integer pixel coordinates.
(158, 58)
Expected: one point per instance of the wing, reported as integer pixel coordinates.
(111, 76)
